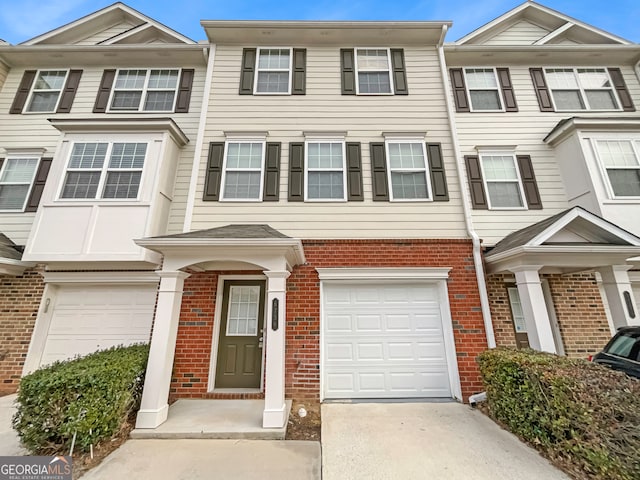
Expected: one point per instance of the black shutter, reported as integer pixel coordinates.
(399, 72)
(299, 86)
(438, 175)
(474, 175)
(248, 70)
(542, 92)
(23, 91)
(104, 91)
(69, 91)
(504, 79)
(184, 90)
(348, 76)
(354, 172)
(271, 191)
(621, 88)
(378, 172)
(459, 90)
(529, 182)
(38, 185)
(296, 172)
(214, 172)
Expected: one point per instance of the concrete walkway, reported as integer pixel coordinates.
(9, 443)
(211, 459)
(423, 440)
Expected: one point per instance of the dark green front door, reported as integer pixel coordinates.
(240, 347)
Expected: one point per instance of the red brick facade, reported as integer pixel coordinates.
(582, 320)
(195, 331)
(19, 301)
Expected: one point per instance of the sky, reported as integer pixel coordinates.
(21, 20)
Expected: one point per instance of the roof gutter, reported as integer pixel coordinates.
(466, 201)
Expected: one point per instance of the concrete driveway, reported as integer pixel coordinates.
(377, 441)
(9, 443)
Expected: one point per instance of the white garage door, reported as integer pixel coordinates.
(95, 317)
(383, 341)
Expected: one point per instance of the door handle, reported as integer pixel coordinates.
(260, 342)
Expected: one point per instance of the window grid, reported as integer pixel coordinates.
(498, 180)
(272, 71)
(563, 81)
(46, 91)
(483, 89)
(243, 183)
(101, 170)
(242, 317)
(145, 90)
(409, 180)
(373, 72)
(620, 160)
(326, 177)
(16, 179)
(516, 310)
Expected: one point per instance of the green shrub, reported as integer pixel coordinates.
(577, 412)
(91, 396)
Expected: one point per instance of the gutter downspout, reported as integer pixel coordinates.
(197, 156)
(637, 69)
(466, 200)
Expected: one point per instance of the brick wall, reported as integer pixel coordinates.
(195, 331)
(19, 301)
(579, 309)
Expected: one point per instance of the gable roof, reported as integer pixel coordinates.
(558, 25)
(101, 20)
(8, 249)
(230, 232)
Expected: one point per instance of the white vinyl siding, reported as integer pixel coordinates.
(325, 171)
(502, 180)
(621, 162)
(581, 89)
(273, 71)
(325, 109)
(373, 71)
(243, 171)
(16, 179)
(152, 90)
(46, 91)
(520, 33)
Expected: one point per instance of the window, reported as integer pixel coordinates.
(273, 70)
(408, 170)
(104, 170)
(326, 171)
(244, 305)
(581, 89)
(516, 310)
(373, 69)
(16, 178)
(243, 167)
(621, 161)
(145, 90)
(46, 91)
(502, 180)
(483, 88)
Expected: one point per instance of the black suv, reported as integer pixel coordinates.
(622, 352)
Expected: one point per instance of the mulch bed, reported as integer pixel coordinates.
(304, 428)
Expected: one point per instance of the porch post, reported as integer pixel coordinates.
(154, 406)
(275, 411)
(617, 288)
(536, 316)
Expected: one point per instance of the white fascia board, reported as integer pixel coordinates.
(9, 266)
(621, 250)
(561, 132)
(101, 277)
(390, 273)
(551, 35)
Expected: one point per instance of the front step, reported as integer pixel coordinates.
(231, 419)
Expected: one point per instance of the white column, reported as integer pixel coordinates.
(275, 411)
(154, 406)
(536, 315)
(617, 286)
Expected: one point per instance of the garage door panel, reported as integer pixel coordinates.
(383, 341)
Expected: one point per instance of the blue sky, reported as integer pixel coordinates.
(23, 19)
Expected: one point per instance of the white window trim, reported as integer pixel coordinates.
(33, 178)
(469, 90)
(502, 153)
(582, 90)
(257, 71)
(341, 141)
(229, 140)
(145, 90)
(427, 169)
(229, 334)
(635, 145)
(25, 109)
(357, 70)
(104, 171)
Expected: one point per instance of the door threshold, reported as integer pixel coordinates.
(236, 390)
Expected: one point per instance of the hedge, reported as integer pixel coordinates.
(576, 412)
(91, 397)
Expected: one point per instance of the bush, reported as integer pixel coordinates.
(578, 413)
(92, 396)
